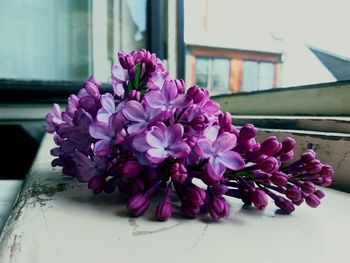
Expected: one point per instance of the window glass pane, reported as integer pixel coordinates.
(202, 72)
(67, 40)
(220, 74)
(266, 75)
(250, 76)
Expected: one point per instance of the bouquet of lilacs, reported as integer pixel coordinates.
(151, 136)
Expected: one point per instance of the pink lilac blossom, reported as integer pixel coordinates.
(149, 136)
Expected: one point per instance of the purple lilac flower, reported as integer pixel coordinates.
(149, 135)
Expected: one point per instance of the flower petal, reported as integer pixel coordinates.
(231, 160)
(103, 147)
(137, 127)
(169, 91)
(116, 122)
(99, 130)
(204, 148)
(155, 137)
(173, 134)
(225, 142)
(134, 111)
(180, 150)
(120, 73)
(211, 107)
(108, 103)
(215, 167)
(157, 155)
(154, 100)
(181, 101)
(139, 143)
(211, 132)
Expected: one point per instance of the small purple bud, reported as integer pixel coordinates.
(164, 210)
(151, 66)
(287, 156)
(298, 202)
(247, 132)
(286, 205)
(189, 210)
(92, 89)
(138, 204)
(219, 189)
(308, 156)
(327, 171)
(313, 167)
(178, 173)
(126, 60)
(269, 165)
(218, 208)
(259, 199)
(130, 169)
(136, 185)
(262, 177)
(134, 95)
(95, 81)
(312, 200)
(199, 122)
(325, 181)
(308, 187)
(111, 184)
(209, 178)
(288, 144)
(198, 94)
(293, 193)
(180, 85)
(270, 146)
(195, 195)
(279, 179)
(319, 193)
(97, 184)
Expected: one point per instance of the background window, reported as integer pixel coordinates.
(257, 75)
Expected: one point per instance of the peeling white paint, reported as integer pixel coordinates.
(58, 220)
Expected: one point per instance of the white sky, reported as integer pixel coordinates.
(323, 23)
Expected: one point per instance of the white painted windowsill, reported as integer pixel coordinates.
(55, 219)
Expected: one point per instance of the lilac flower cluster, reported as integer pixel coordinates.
(150, 137)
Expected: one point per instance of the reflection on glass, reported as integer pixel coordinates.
(202, 72)
(67, 40)
(220, 74)
(265, 75)
(250, 76)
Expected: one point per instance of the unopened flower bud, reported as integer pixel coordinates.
(180, 85)
(327, 171)
(219, 189)
(178, 173)
(325, 181)
(319, 193)
(270, 146)
(308, 156)
(298, 202)
(293, 193)
(195, 195)
(134, 95)
(247, 132)
(198, 94)
(164, 210)
(198, 122)
(279, 179)
(287, 156)
(130, 169)
(308, 187)
(259, 199)
(126, 60)
(312, 200)
(288, 144)
(269, 165)
(286, 205)
(313, 167)
(151, 66)
(189, 210)
(136, 185)
(97, 184)
(218, 208)
(138, 204)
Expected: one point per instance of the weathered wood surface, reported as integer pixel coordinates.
(328, 99)
(311, 123)
(55, 219)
